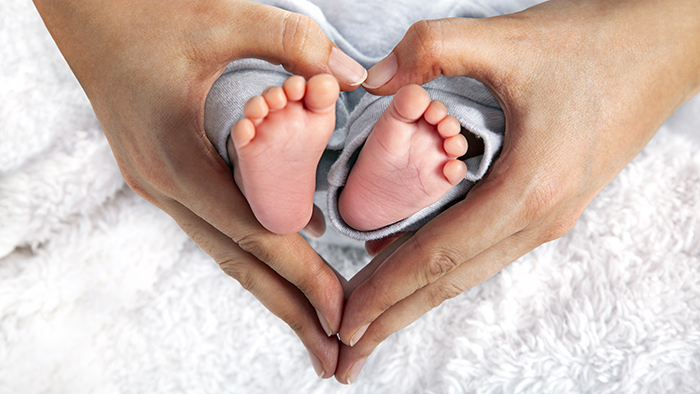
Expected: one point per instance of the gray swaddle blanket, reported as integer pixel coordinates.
(368, 31)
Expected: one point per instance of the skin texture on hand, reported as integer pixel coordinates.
(147, 67)
(584, 85)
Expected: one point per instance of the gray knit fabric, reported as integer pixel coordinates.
(367, 30)
(240, 81)
(476, 110)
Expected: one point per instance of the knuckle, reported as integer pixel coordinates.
(244, 277)
(439, 264)
(147, 177)
(382, 297)
(442, 292)
(545, 195)
(297, 31)
(378, 333)
(440, 260)
(550, 206)
(258, 245)
(249, 282)
(560, 225)
(426, 40)
(311, 282)
(294, 324)
(297, 323)
(136, 183)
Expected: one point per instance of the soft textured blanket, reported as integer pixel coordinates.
(100, 292)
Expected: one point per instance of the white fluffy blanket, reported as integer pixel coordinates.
(100, 292)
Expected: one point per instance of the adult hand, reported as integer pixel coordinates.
(584, 85)
(147, 67)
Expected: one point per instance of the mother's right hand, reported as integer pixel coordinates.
(147, 67)
(583, 85)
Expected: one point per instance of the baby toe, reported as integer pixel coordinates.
(436, 112)
(410, 103)
(242, 133)
(275, 97)
(455, 146)
(454, 171)
(294, 87)
(255, 108)
(322, 92)
(449, 127)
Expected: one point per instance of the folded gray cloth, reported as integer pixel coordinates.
(367, 31)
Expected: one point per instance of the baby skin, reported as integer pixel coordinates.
(407, 163)
(276, 148)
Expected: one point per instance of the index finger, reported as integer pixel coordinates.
(491, 213)
(217, 200)
(291, 39)
(279, 296)
(430, 48)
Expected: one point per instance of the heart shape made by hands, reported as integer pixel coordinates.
(347, 257)
(349, 285)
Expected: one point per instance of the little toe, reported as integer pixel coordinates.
(454, 171)
(436, 112)
(449, 127)
(294, 87)
(410, 103)
(275, 97)
(455, 146)
(255, 108)
(322, 92)
(242, 133)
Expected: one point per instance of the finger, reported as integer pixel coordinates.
(217, 199)
(442, 245)
(317, 224)
(279, 296)
(293, 40)
(374, 247)
(408, 310)
(451, 47)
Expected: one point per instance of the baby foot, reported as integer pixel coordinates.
(276, 148)
(407, 163)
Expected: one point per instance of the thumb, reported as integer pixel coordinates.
(293, 40)
(430, 48)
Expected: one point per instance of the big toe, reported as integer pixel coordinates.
(322, 92)
(410, 103)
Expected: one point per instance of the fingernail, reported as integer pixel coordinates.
(345, 68)
(381, 72)
(324, 324)
(355, 370)
(358, 335)
(314, 230)
(316, 363)
(317, 224)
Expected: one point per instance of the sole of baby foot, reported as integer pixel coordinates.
(276, 148)
(408, 162)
